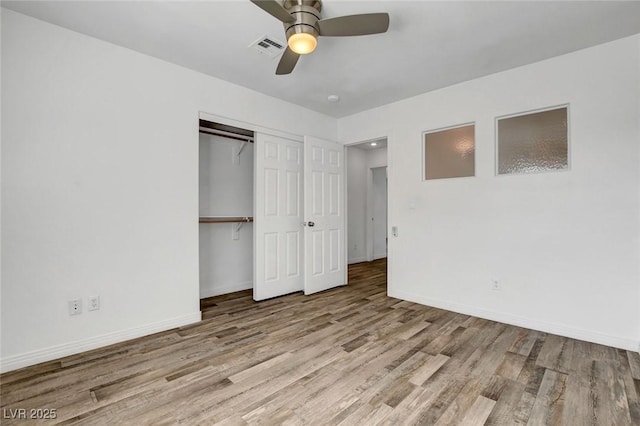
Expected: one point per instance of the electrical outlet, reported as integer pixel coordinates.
(94, 303)
(495, 285)
(75, 307)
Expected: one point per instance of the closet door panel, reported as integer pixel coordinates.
(294, 154)
(272, 260)
(293, 193)
(317, 193)
(335, 242)
(317, 252)
(335, 194)
(277, 217)
(325, 254)
(293, 254)
(271, 177)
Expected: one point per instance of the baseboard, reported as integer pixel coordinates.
(225, 289)
(379, 256)
(54, 352)
(357, 260)
(533, 324)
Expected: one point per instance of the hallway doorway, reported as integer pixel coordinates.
(367, 201)
(371, 274)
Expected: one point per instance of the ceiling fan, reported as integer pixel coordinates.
(303, 24)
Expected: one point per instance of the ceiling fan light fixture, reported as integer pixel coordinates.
(302, 43)
(303, 24)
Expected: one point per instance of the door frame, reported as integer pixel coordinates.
(203, 115)
(248, 126)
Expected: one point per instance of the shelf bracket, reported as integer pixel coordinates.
(235, 158)
(242, 146)
(235, 230)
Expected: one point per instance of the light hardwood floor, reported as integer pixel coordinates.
(349, 356)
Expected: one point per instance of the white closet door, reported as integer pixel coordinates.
(278, 232)
(325, 254)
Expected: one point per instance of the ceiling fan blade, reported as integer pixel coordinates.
(275, 9)
(354, 25)
(287, 62)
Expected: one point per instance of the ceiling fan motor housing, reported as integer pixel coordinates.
(307, 15)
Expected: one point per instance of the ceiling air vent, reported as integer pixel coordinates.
(269, 46)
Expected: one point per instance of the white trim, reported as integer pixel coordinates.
(248, 126)
(544, 326)
(58, 351)
(379, 256)
(357, 260)
(345, 212)
(225, 289)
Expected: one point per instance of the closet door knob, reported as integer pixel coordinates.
(308, 223)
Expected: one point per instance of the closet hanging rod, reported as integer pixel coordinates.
(216, 132)
(221, 219)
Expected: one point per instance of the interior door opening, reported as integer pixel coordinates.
(367, 201)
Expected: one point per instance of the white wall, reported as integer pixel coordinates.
(377, 158)
(564, 245)
(225, 178)
(226, 189)
(357, 168)
(100, 186)
(379, 201)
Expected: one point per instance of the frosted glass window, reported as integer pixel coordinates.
(449, 153)
(533, 143)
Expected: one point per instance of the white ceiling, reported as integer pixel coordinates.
(429, 45)
(366, 146)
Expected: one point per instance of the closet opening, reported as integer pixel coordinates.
(226, 168)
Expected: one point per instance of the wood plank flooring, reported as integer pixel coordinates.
(347, 356)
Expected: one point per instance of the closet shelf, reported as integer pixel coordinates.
(220, 219)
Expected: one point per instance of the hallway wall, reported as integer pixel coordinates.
(359, 163)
